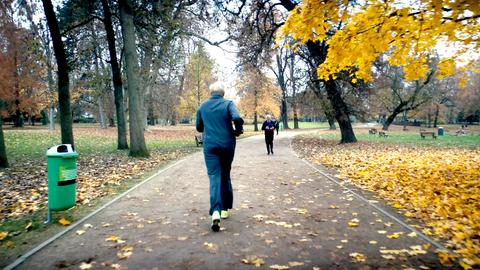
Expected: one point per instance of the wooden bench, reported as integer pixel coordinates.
(199, 139)
(372, 131)
(382, 134)
(424, 134)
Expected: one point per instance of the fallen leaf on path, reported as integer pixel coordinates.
(388, 257)
(125, 252)
(358, 257)
(382, 232)
(394, 235)
(80, 232)
(373, 242)
(64, 221)
(115, 238)
(182, 238)
(293, 264)
(279, 267)
(211, 246)
(253, 260)
(85, 266)
(412, 234)
(87, 226)
(353, 223)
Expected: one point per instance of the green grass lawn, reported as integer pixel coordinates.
(33, 144)
(414, 139)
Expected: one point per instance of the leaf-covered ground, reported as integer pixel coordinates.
(23, 186)
(438, 185)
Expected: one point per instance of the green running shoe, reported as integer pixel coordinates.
(224, 214)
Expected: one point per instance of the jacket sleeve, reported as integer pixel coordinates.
(236, 118)
(199, 122)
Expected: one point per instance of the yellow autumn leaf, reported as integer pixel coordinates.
(394, 235)
(64, 221)
(294, 264)
(446, 258)
(353, 223)
(358, 257)
(29, 225)
(279, 267)
(3, 235)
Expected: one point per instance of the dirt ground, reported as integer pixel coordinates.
(286, 214)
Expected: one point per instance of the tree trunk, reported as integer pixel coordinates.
(390, 119)
(429, 119)
(341, 112)
(330, 119)
(51, 112)
(101, 112)
(3, 151)
(116, 78)
(283, 87)
(295, 117)
(62, 77)
(138, 148)
(255, 121)
(437, 111)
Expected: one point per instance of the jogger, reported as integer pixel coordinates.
(214, 119)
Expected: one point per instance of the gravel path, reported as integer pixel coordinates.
(285, 214)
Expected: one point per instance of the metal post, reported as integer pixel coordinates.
(49, 217)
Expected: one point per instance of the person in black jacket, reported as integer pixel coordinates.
(269, 128)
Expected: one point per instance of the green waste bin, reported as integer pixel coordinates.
(441, 131)
(62, 178)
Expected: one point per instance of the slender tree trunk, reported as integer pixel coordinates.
(429, 119)
(295, 117)
(51, 119)
(255, 121)
(62, 78)
(101, 112)
(341, 112)
(283, 87)
(3, 151)
(437, 111)
(116, 78)
(138, 148)
(331, 121)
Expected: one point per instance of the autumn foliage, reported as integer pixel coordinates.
(358, 34)
(438, 186)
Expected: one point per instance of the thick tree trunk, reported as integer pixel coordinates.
(138, 148)
(390, 119)
(116, 78)
(341, 112)
(62, 77)
(3, 151)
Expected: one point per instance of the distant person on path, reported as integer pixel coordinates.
(214, 119)
(276, 124)
(269, 128)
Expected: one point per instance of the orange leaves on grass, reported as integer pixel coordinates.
(438, 185)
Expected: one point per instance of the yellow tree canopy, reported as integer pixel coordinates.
(358, 34)
(258, 94)
(197, 78)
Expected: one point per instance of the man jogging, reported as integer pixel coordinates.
(214, 119)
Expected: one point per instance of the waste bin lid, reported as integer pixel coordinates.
(61, 150)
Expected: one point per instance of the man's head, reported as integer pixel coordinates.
(217, 88)
(268, 116)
